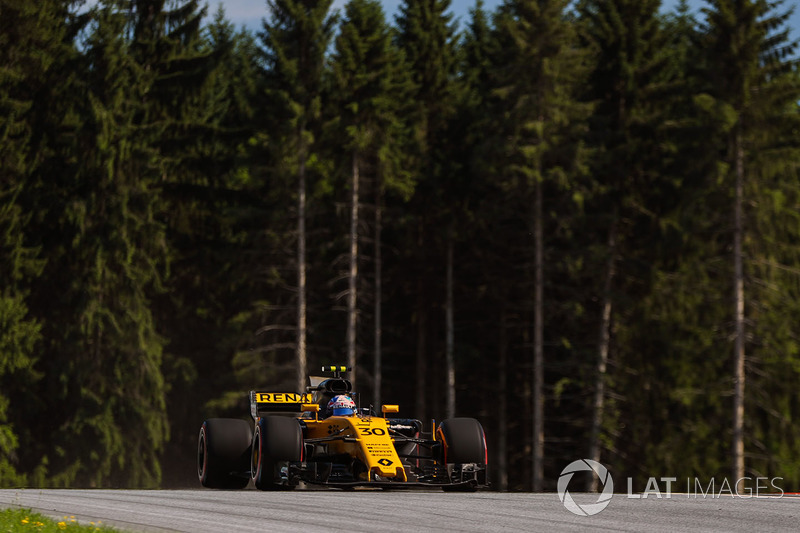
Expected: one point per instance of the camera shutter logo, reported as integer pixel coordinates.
(587, 509)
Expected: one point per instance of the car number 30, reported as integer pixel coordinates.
(373, 431)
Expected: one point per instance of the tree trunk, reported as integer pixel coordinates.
(352, 312)
(738, 350)
(421, 357)
(604, 340)
(422, 325)
(527, 422)
(301, 271)
(378, 292)
(502, 417)
(538, 342)
(450, 334)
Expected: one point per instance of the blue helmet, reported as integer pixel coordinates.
(341, 405)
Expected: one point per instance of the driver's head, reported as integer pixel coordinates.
(341, 405)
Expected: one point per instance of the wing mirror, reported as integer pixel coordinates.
(310, 408)
(389, 409)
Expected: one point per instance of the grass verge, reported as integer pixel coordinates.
(24, 520)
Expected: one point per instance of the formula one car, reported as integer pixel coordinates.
(322, 437)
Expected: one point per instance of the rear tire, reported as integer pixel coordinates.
(223, 453)
(277, 441)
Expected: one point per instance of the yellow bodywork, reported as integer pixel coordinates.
(364, 437)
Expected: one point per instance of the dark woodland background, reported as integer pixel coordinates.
(575, 221)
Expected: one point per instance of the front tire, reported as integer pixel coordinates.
(463, 441)
(464, 453)
(223, 453)
(277, 441)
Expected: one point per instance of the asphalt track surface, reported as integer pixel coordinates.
(373, 511)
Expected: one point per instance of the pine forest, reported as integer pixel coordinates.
(576, 221)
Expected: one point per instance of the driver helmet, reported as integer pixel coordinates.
(341, 405)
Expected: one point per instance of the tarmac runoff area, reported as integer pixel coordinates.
(376, 510)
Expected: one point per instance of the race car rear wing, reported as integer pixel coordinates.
(278, 402)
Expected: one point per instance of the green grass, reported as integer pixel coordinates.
(14, 520)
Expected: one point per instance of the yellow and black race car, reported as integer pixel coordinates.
(322, 437)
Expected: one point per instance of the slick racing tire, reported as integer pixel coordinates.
(223, 453)
(463, 441)
(277, 441)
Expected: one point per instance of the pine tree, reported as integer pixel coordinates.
(295, 40)
(628, 78)
(366, 91)
(537, 86)
(426, 34)
(473, 119)
(112, 353)
(35, 46)
(462, 165)
(752, 89)
(209, 201)
(18, 331)
(94, 218)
